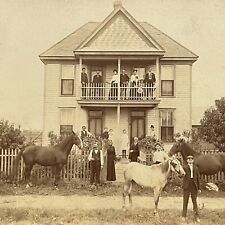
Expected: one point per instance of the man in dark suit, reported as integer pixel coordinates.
(191, 185)
(124, 79)
(149, 82)
(134, 150)
(84, 82)
(97, 84)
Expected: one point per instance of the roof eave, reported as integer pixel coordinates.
(193, 59)
(112, 52)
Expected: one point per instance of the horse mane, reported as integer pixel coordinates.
(63, 145)
(187, 150)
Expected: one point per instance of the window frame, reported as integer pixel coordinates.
(62, 80)
(64, 133)
(173, 66)
(167, 127)
(167, 95)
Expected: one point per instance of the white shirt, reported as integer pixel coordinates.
(159, 156)
(191, 168)
(124, 142)
(115, 78)
(101, 156)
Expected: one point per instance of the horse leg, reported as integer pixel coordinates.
(58, 169)
(28, 168)
(157, 192)
(127, 191)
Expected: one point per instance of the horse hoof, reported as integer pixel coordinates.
(56, 187)
(156, 214)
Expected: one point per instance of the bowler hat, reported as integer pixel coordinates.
(190, 157)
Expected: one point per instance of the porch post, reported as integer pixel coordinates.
(119, 63)
(118, 133)
(157, 93)
(79, 78)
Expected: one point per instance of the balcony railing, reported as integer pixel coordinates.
(128, 91)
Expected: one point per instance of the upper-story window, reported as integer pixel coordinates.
(67, 80)
(167, 80)
(167, 124)
(66, 120)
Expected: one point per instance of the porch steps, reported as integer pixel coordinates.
(120, 167)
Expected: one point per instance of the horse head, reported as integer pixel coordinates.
(177, 147)
(176, 166)
(77, 140)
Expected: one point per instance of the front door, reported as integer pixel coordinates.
(137, 124)
(95, 122)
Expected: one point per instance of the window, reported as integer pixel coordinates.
(95, 122)
(167, 125)
(66, 121)
(67, 80)
(167, 88)
(67, 87)
(137, 125)
(167, 80)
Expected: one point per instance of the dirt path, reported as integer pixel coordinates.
(95, 202)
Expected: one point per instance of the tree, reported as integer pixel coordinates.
(10, 137)
(213, 125)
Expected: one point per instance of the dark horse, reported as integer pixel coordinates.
(47, 156)
(207, 164)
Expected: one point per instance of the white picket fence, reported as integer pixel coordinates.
(77, 166)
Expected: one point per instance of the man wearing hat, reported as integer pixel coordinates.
(96, 159)
(191, 186)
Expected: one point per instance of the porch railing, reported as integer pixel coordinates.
(127, 91)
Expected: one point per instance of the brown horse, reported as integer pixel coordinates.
(207, 164)
(47, 156)
(154, 176)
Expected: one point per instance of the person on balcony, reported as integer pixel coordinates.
(98, 85)
(134, 81)
(114, 85)
(134, 150)
(124, 79)
(84, 82)
(149, 82)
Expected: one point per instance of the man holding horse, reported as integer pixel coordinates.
(191, 186)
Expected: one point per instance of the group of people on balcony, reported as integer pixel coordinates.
(132, 87)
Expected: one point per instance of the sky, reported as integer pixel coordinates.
(29, 27)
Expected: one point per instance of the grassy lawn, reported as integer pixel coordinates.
(104, 217)
(83, 188)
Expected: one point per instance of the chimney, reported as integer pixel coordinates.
(117, 4)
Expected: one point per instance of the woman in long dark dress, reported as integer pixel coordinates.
(111, 157)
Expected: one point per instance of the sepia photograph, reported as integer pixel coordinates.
(112, 112)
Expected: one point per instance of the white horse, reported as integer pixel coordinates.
(154, 176)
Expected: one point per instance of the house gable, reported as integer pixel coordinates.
(119, 32)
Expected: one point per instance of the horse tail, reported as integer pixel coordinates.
(16, 162)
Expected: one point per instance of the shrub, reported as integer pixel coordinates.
(10, 137)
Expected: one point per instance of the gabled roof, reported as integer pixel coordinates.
(118, 32)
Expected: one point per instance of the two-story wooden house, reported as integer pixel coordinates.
(119, 42)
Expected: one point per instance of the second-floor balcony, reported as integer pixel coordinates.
(123, 92)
